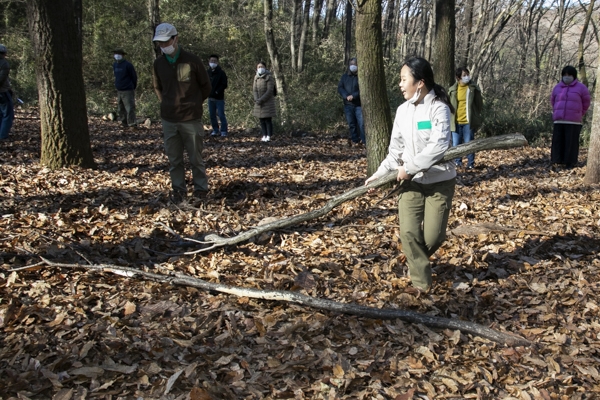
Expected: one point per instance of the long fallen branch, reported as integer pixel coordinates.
(497, 142)
(466, 327)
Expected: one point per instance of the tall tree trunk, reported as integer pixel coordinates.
(464, 61)
(272, 48)
(592, 171)
(389, 31)
(154, 21)
(295, 27)
(405, 32)
(329, 14)
(580, 50)
(445, 28)
(371, 78)
(428, 28)
(56, 34)
(303, 35)
(348, 35)
(316, 18)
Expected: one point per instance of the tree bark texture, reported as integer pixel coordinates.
(580, 49)
(272, 48)
(464, 61)
(55, 29)
(371, 78)
(467, 327)
(154, 21)
(295, 29)
(303, 35)
(329, 14)
(592, 171)
(315, 21)
(497, 142)
(389, 31)
(445, 34)
(348, 33)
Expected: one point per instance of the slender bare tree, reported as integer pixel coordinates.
(582, 75)
(592, 171)
(154, 21)
(274, 55)
(303, 35)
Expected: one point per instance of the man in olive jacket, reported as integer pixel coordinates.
(465, 97)
(181, 84)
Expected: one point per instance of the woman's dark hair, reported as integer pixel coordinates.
(569, 70)
(420, 69)
(263, 63)
(459, 71)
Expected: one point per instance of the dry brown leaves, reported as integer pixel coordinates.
(74, 334)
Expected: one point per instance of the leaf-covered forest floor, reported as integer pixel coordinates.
(521, 257)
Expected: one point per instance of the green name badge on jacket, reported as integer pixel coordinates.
(423, 125)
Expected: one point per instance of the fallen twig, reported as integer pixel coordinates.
(467, 327)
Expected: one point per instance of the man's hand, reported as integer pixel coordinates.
(402, 175)
(369, 180)
(350, 97)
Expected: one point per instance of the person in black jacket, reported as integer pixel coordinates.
(216, 99)
(125, 83)
(348, 89)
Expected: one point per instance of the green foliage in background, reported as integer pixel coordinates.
(234, 30)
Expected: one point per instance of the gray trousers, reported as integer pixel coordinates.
(126, 107)
(423, 211)
(187, 135)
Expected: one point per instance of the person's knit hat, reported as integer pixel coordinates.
(2, 48)
(164, 32)
(119, 51)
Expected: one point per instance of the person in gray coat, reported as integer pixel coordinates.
(263, 90)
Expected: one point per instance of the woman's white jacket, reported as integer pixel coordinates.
(420, 137)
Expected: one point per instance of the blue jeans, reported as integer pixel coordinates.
(463, 134)
(7, 114)
(217, 107)
(354, 117)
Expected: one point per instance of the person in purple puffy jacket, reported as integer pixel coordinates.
(570, 100)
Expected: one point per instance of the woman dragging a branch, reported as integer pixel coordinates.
(420, 137)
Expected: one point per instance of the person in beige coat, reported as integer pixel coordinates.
(264, 100)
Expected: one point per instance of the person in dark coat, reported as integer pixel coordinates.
(216, 99)
(125, 83)
(7, 112)
(348, 89)
(263, 91)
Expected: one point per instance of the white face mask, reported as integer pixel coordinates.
(465, 79)
(118, 57)
(168, 50)
(353, 68)
(261, 71)
(213, 65)
(568, 79)
(415, 97)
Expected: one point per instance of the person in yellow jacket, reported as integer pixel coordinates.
(467, 100)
